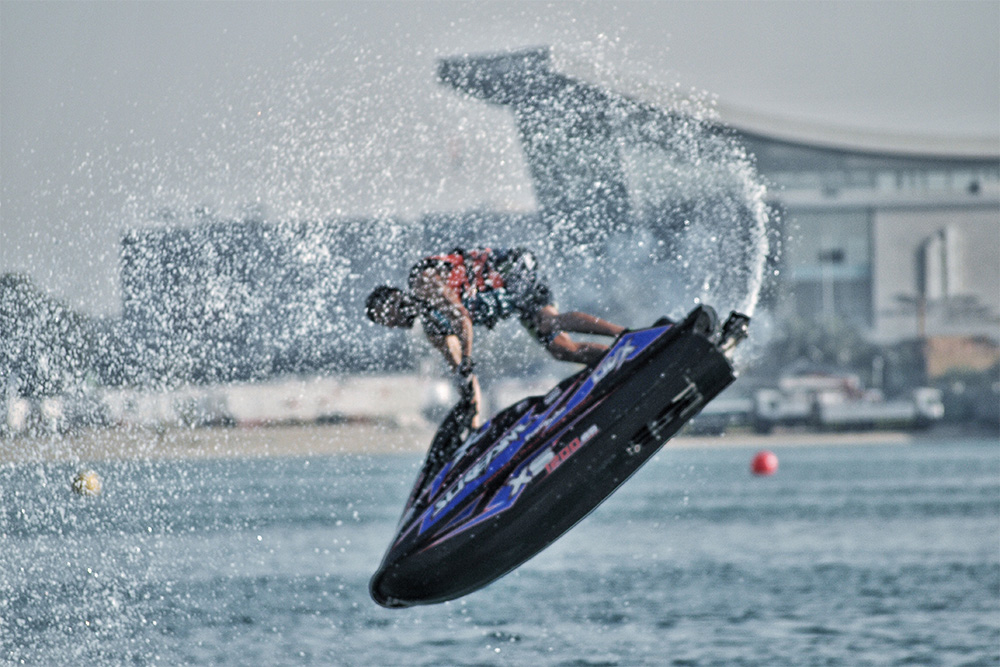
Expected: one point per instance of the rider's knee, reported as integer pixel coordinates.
(562, 348)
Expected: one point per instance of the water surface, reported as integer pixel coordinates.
(866, 555)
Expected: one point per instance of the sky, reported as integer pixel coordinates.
(112, 114)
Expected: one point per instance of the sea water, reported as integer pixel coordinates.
(859, 555)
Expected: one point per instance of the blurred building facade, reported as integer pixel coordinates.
(210, 300)
(899, 236)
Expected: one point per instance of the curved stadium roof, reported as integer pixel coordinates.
(878, 146)
(514, 78)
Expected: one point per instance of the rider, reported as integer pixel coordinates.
(452, 292)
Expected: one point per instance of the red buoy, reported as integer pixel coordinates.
(765, 463)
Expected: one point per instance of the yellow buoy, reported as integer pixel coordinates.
(87, 483)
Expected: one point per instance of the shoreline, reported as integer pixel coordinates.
(101, 445)
(216, 443)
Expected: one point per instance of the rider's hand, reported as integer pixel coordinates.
(466, 368)
(463, 378)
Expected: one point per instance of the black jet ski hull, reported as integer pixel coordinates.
(539, 467)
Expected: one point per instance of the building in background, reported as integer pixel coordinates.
(211, 300)
(898, 237)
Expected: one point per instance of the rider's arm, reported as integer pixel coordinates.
(432, 289)
(449, 347)
(456, 348)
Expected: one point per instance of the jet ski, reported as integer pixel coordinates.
(486, 500)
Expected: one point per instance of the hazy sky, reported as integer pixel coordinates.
(110, 112)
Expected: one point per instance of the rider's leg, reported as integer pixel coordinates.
(549, 319)
(564, 348)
